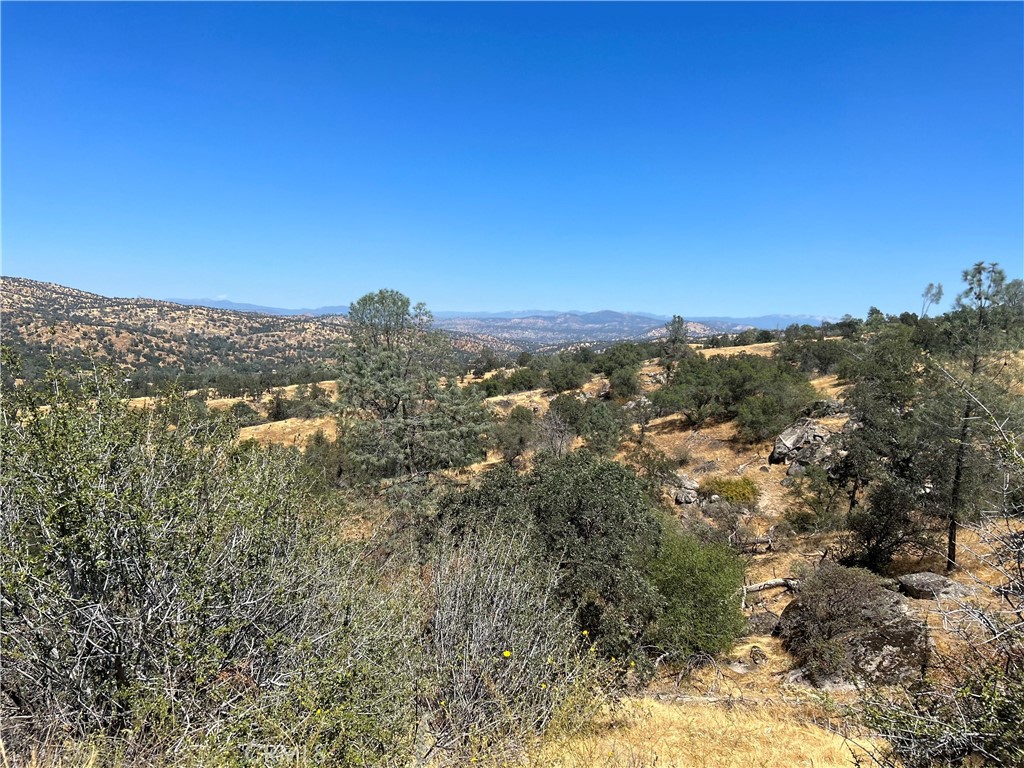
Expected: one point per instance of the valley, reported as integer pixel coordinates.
(736, 451)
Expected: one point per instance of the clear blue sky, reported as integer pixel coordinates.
(702, 159)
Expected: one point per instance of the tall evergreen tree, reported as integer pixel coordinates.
(980, 339)
(402, 412)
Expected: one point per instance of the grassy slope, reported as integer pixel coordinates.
(734, 714)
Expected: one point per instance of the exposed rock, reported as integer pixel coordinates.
(686, 496)
(814, 453)
(828, 407)
(762, 623)
(686, 483)
(739, 667)
(930, 586)
(885, 645)
(797, 438)
(638, 402)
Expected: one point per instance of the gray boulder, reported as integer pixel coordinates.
(762, 623)
(686, 496)
(827, 407)
(796, 439)
(684, 489)
(883, 643)
(930, 586)
(686, 483)
(814, 453)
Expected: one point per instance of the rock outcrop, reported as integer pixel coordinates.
(930, 586)
(805, 438)
(762, 623)
(886, 644)
(686, 490)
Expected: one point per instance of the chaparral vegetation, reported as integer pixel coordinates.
(521, 557)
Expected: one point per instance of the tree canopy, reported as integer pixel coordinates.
(403, 413)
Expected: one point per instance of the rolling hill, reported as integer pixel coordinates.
(40, 319)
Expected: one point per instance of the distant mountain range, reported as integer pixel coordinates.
(193, 334)
(146, 334)
(766, 322)
(611, 321)
(236, 307)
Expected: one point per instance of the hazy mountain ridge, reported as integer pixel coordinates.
(557, 329)
(547, 327)
(138, 332)
(766, 322)
(241, 307)
(42, 318)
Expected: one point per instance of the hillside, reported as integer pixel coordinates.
(137, 333)
(540, 330)
(534, 328)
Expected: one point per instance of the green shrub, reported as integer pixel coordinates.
(524, 379)
(624, 382)
(164, 586)
(699, 585)
(515, 435)
(653, 466)
(593, 524)
(883, 527)
(603, 427)
(765, 414)
(571, 410)
(817, 502)
(245, 414)
(834, 599)
(735, 490)
(563, 376)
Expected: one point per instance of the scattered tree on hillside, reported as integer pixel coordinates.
(932, 295)
(516, 434)
(403, 411)
(984, 291)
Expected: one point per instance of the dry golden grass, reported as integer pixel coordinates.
(828, 386)
(644, 733)
(533, 399)
(493, 459)
(763, 350)
(289, 431)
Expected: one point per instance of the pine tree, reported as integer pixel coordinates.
(403, 414)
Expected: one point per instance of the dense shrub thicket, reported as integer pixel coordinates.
(163, 585)
(636, 583)
(696, 584)
(170, 592)
(763, 395)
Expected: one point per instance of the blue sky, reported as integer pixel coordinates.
(701, 159)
